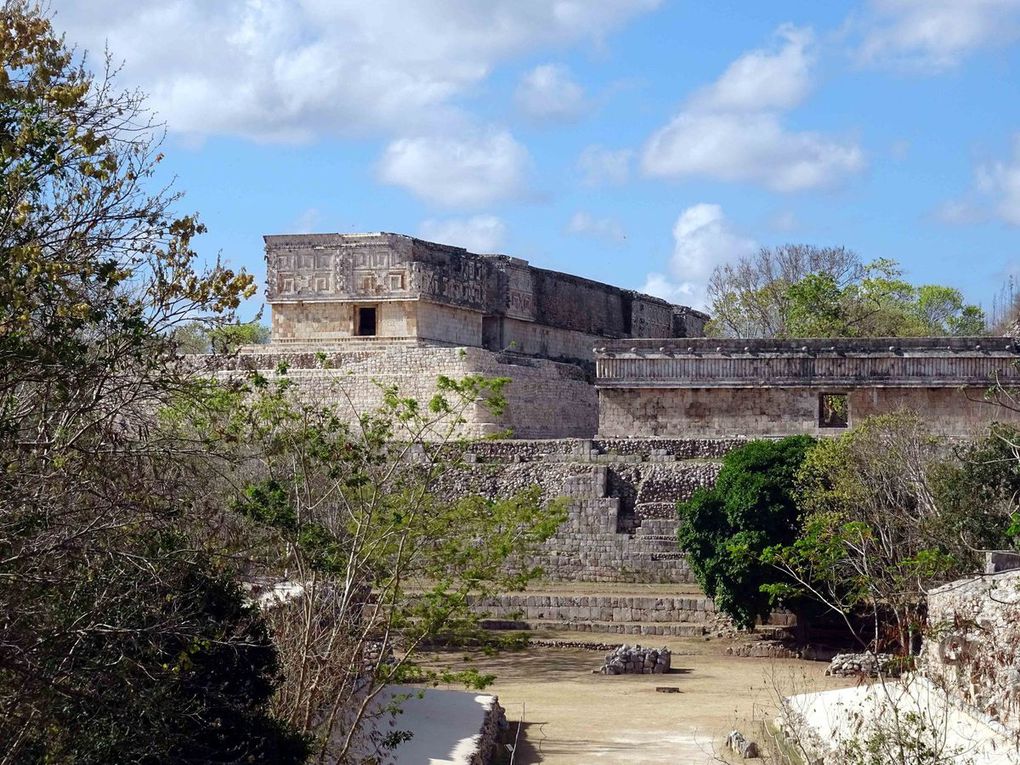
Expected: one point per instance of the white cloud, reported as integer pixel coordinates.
(480, 233)
(1001, 182)
(764, 79)
(995, 194)
(732, 131)
(702, 240)
(294, 70)
(600, 166)
(480, 168)
(307, 221)
(608, 229)
(960, 212)
(935, 35)
(548, 94)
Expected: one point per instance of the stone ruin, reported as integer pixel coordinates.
(635, 660)
(864, 665)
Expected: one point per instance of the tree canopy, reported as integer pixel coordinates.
(803, 291)
(123, 640)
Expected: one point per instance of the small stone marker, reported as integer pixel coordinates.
(742, 746)
(667, 689)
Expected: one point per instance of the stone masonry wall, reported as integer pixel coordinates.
(545, 399)
(972, 652)
(719, 412)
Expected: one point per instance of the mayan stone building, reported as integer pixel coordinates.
(353, 310)
(330, 288)
(708, 387)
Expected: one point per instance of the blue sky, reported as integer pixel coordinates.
(638, 142)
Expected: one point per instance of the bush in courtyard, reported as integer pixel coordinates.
(724, 529)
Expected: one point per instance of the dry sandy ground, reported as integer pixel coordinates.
(571, 716)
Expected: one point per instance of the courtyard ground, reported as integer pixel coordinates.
(570, 716)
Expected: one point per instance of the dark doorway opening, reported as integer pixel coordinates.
(492, 333)
(365, 321)
(833, 410)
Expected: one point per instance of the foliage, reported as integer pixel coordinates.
(194, 662)
(874, 534)
(359, 516)
(107, 623)
(979, 490)
(802, 291)
(724, 529)
(199, 337)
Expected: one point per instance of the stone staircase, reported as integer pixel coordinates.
(653, 611)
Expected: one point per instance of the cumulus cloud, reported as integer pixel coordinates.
(1000, 181)
(600, 166)
(764, 79)
(995, 194)
(732, 130)
(480, 233)
(549, 94)
(475, 170)
(934, 35)
(702, 240)
(295, 70)
(608, 229)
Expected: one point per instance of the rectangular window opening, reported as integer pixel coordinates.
(833, 410)
(366, 321)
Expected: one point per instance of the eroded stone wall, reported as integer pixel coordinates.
(973, 647)
(316, 281)
(779, 411)
(545, 399)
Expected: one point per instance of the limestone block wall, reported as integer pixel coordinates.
(449, 325)
(327, 322)
(544, 340)
(972, 652)
(546, 399)
(780, 411)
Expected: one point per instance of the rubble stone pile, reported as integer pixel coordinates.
(635, 660)
(869, 664)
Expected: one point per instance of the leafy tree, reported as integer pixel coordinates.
(875, 536)
(724, 529)
(881, 304)
(978, 490)
(352, 512)
(198, 337)
(800, 291)
(107, 623)
(749, 298)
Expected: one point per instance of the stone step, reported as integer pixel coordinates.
(622, 608)
(675, 629)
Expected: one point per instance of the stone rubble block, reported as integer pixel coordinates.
(635, 660)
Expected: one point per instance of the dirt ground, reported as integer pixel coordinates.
(570, 716)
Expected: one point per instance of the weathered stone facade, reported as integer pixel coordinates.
(545, 399)
(708, 388)
(972, 651)
(330, 288)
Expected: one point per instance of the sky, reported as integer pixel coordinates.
(636, 142)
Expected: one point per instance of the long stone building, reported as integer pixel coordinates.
(326, 289)
(705, 387)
